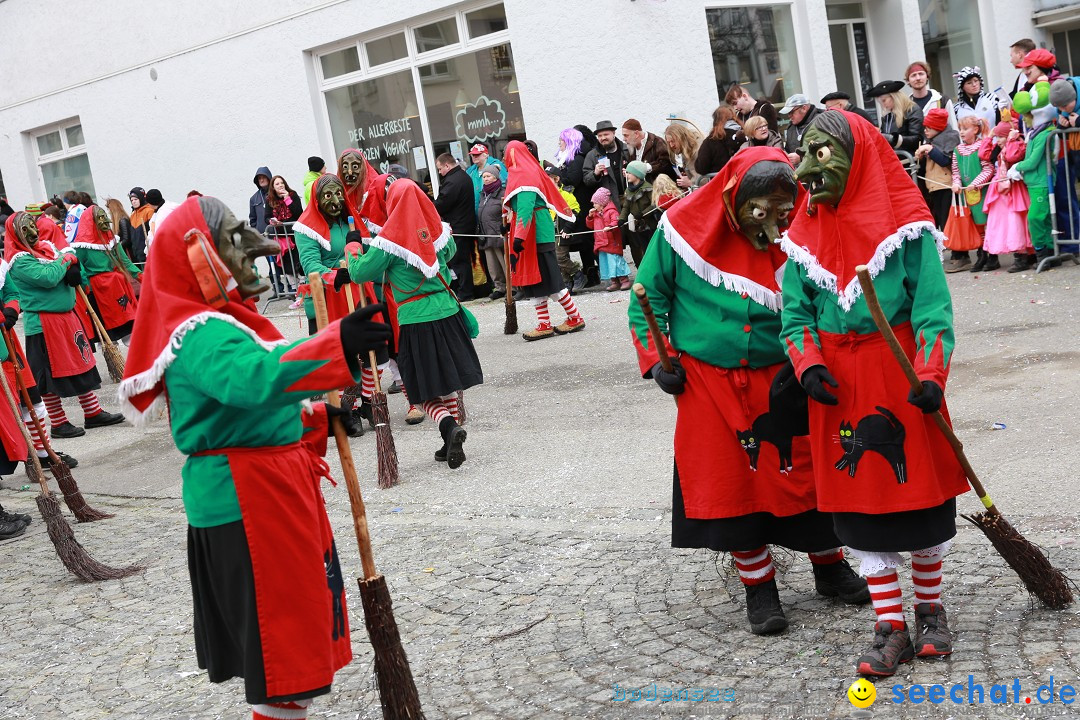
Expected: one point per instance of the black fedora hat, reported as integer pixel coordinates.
(885, 87)
(604, 125)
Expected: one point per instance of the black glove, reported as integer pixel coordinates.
(674, 382)
(11, 316)
(341, 279)
(346, 418)
(73, 278)
(814, 380)
(360, 334)
(929, 400)
(354, 236)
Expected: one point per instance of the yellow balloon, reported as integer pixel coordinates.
(862, 693)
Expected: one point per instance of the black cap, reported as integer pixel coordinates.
(604, 125)
(838, 95)
(153, 197)
(885, 87)
(315, 163)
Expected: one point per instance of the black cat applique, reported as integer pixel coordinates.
(765, 429)
(883, 434)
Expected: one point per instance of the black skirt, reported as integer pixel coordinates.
(551, 281)
(437, 359)
(38, 358)
(227, 642)
(898, 531)
(810, 531)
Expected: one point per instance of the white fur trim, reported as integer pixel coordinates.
(538, 191)
(308, 232)
(146, 380)
(827, 280)
(388, 245)
(4, 267)
(717, 277)
(96, 246)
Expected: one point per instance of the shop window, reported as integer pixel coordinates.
(486, 21)
(755, 47)
(436, 35)
(387, 49)
(341, 62)
(1067, 49)
(62, 160)
(952, 37)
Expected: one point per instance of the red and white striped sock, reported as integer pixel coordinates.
(437, 410)
(827, 557)
(568, 305)
(39, 446)
(452, 406)
(367, 383)
(886, 596)
(755, 566)
(90, 404)
(55, 407)
(295, 710)
(926, 575)
(543, 320)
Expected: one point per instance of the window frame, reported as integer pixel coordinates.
(65, 152)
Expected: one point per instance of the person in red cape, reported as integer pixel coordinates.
(531, 197)
(58, 349)
(268, 591)
(881, 466)
(108, 272)
(743, 476)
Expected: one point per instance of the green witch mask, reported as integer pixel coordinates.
(331, 196)
(824, 168)
(102, 220)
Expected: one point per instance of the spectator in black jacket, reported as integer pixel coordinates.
(604, 164)
(747, 107)
(901, 119)
(649, 149)
(574, 145)
(802, 112)
(456, 207)
(720, 145)
(257, 204)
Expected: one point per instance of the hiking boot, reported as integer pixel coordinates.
(571, 325)
(839, 580)
(539, 333)
(67, 459)
(8, 517)
(890, 648)
(67, 430)
(9, 530)
(1022, 262)
(415, 416)
(980, 261)
(453, 438)
(992, 263)
(102, 419)
(955, 265)
(577, 283)
(932, 635)
(394, 389)
(763, 609)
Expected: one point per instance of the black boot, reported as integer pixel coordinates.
(11, 529)
(992, 263)
(1022, 262)
(839, 580)
(980, 260)
(763, 609)
(1045, 254)
(453, 439)
(364, 411)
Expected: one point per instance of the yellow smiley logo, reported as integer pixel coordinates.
(862, 693)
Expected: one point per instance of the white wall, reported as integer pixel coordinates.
(1003, 23)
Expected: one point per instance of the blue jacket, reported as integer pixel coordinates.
(478, 184)
(257, 203)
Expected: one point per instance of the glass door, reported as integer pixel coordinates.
(848, 34)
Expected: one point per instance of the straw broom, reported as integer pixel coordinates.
(1040, 577)
(71, 553)
(73, 498)
(385, 449)
(113, 359)
(511, 325)
(397, 690)
(654, 329)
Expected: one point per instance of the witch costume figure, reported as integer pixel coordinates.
(268, 597)
(108, 272)
(882, 467)
(743, 478)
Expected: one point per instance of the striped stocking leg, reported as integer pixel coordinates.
(90, 405)
(926, 575)
(827, 557)
(755, 566)
(886, 596)
(367, 383)
(543, 320)
(39, 446)
(437, 409)
(295, 710)
(55, 408)
(568, 305)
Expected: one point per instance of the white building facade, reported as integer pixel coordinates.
(197, 95)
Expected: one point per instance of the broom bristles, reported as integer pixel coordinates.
(73, 498)
(384, 441)
(114, 361)
(397, 690)
(1041, 579)
(462, 415)
(71, 553)
(511, 326)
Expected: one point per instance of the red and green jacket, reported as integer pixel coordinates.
(41, 287)
(419, 298)
(911, 288)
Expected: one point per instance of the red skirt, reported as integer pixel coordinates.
(731, 459)
(875, 452)
(115, 298)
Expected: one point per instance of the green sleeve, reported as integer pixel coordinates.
(34, 273)
(126, 261)
(799, 319)
(931, 309)
(657, 275)
(310, 255)
(448, 250)
(369, 267)
(1035, 155)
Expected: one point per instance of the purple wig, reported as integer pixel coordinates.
(572, 138)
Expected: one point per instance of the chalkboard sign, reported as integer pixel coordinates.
(862, 61)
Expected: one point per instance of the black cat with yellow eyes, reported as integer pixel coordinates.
(883, 434)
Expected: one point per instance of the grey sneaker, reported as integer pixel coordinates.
(932, 635)
(891, 647)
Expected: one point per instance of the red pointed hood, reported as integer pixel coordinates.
(370, 199)
(51, 232)
(881, 208)
(171, 304)
(524, 174)
(89, 235)
(704, 233)
(312, 224)
(14, 244)
(413, 230)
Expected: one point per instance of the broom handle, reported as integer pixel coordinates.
(26, 396)
(916, 384)
(105, 339)
(363, 304)
(509, 299)
(654, 329)
(356, 500)
(25, 433)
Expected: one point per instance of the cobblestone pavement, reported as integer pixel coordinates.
(537, 580)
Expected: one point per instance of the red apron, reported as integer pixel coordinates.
(84, 317)
(10, 435)
(875, 452)
(26, 373)
(66, 344)
(299, 588)
(723, 432)
(115, 298)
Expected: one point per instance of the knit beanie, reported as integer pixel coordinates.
(631, 124)
(35, 209)
(315, 163)
(936, 119)
(637, 168)
(1062, 92)
(153, 197)
(139, 193)
(602, 196)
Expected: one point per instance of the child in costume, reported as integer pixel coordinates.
(637, 214)
(743, 478)
(106, 270)
(268, 591)
(530, 194)
(937, 159)
(665, 192)
(57, 347)
(603, 220)
(881, 465)
(970, 173)
(1006, 201)
(435, 350)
